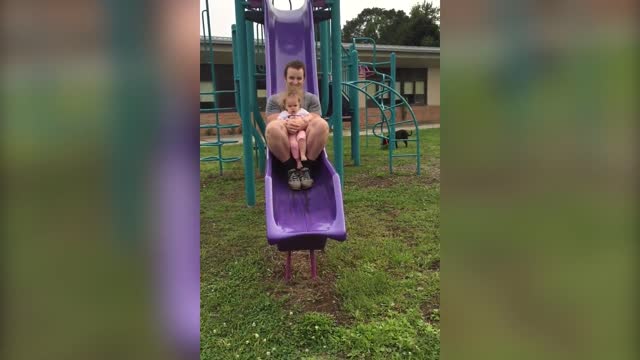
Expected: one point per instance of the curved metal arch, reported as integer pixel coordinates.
(380, 107)
(354, 84)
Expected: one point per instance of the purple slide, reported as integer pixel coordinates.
(298, 220)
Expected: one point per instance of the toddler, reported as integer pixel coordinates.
(297, 141)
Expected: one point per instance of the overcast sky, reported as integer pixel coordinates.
(223, 11)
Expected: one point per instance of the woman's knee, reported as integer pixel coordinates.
(319, 125)
(275, 130)
(276, 127)
(319, 128)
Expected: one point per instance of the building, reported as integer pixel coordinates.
(417, 79)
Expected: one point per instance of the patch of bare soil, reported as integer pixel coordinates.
(429, 309)
(402, 174)
(215, 176)
(435, 266)
(433, 174)
(406, 169)
(368, 181)
(302, 292)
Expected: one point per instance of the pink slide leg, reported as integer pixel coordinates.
(312, 257)
(287, 267)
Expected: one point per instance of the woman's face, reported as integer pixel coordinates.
(295, 78)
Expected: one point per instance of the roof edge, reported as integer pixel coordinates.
(426, 49)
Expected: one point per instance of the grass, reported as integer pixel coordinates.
(377, 296)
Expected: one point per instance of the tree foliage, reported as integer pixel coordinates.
(424, 26)
(395, 27)
(376, 23)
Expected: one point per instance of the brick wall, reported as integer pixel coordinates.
(424, 115)
(224, 119)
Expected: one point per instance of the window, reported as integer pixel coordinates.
(261, 95)
(224, 81)
(408, 88)
(413, 82)
(419, 97)
(386, 94)
(206, 100)
(410, 83)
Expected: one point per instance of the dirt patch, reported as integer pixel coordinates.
(403, 173)
(435, 266)
(429, 174)
(368, 181)
(406, 169)
(211, 177)
(433, 174)
(431, 310)
(302, 292)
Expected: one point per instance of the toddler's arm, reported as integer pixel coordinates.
(305, 115)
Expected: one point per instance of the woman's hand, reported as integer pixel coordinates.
(295, 124)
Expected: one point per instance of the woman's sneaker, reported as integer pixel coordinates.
(305, 178)
(294, 179)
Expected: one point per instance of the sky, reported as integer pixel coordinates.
(223, 11)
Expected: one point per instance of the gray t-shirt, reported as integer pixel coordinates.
(310, 102)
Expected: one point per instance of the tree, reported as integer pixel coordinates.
(424, 26)
(395, 27)
(383, 26)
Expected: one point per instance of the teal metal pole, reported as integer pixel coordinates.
(336, 45)
(216, 98)
(324, 63)
(253, 96)
(366, 39)
(392, 118)
(355, 104)
(251, 84)
(210, 48)
(366, 124)
(236, 76)
(251, 67)
(350, 93)
(249, 173)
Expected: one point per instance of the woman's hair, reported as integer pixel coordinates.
(290, 93)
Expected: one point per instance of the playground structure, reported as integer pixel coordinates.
(382, 95)
(302, 220)
(379, 88)
(215, 96)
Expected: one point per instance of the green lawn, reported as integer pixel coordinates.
(378, 293)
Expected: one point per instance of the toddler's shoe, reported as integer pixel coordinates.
(294, 179)
(305, 178)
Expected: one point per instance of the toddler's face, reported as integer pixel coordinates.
(293, 105)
